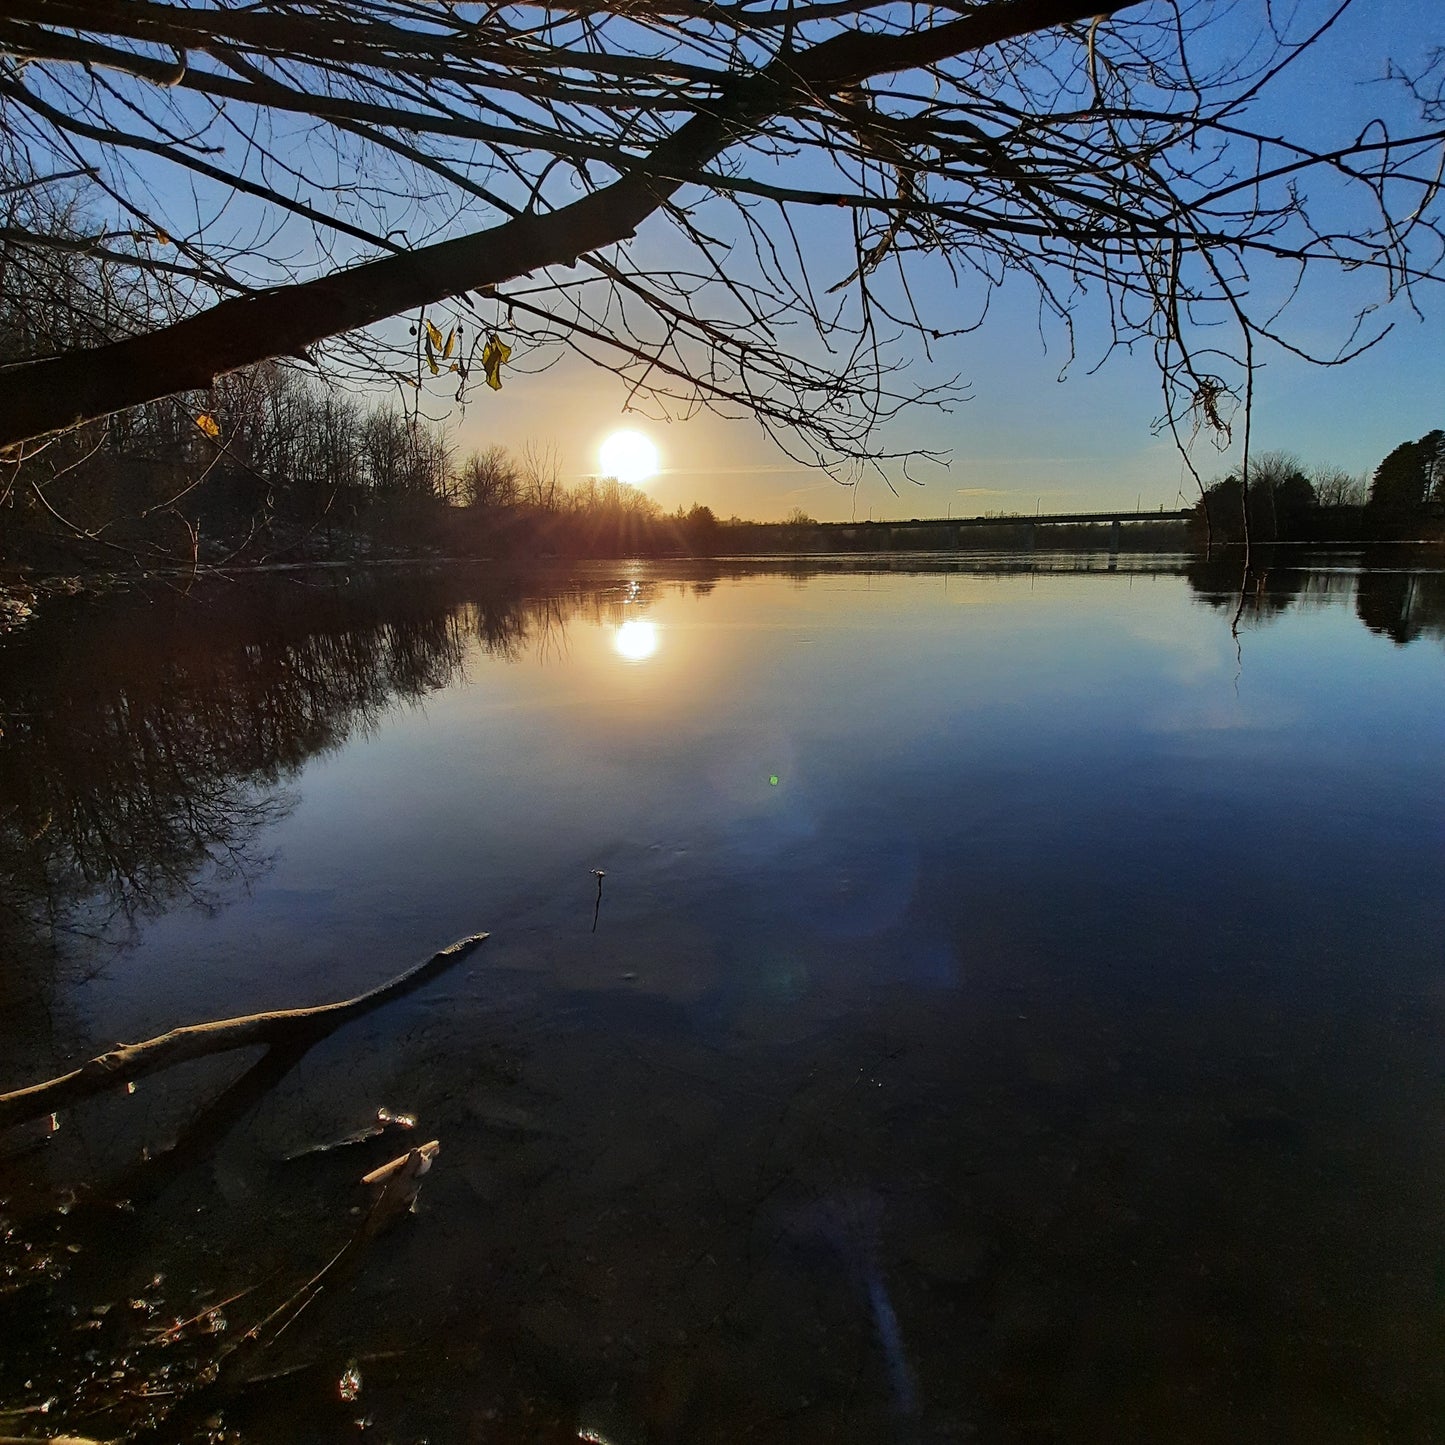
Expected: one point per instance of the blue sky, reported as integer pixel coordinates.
(1027, 438)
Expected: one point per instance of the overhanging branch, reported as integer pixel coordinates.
(41, 397)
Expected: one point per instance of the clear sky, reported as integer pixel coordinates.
(1026, 438)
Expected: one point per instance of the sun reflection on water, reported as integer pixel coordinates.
(636, 640)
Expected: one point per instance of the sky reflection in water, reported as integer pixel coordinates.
(1012, 1007)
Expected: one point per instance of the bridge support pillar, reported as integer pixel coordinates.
(1031, 536)
(1114, 535)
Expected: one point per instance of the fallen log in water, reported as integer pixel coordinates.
(128, 1062)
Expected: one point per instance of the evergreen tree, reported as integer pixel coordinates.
(1411, 475)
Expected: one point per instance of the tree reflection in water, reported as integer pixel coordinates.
(1402, 605)
(1391, 597)
(148, 737)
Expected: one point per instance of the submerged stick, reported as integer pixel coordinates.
(128, 1062)
(400, 1181)
(49, 1440)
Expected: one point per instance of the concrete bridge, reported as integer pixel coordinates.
(944, 533)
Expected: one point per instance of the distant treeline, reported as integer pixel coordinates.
(1288, 502)
(276, 465)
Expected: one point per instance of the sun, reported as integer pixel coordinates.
(629, 456)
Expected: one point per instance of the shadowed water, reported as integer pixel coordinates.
(1013, 1012)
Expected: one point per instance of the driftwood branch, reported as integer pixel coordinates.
(128, 1062)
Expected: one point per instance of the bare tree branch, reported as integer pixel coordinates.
(393, 155)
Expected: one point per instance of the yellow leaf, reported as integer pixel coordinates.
(494, 353)
(431, 360)
(209, 425)
(433, 335)
(451, 345)
(161, 236)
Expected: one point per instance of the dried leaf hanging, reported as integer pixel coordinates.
(494, 353)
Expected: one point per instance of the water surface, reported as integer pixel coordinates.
(1013, 1011)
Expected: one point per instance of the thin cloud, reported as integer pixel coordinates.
(758, 471)
(814, 487)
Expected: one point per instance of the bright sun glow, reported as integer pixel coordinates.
(636, 640)
(629, 456)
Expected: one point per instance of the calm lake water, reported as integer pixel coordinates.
(1015, 1009)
